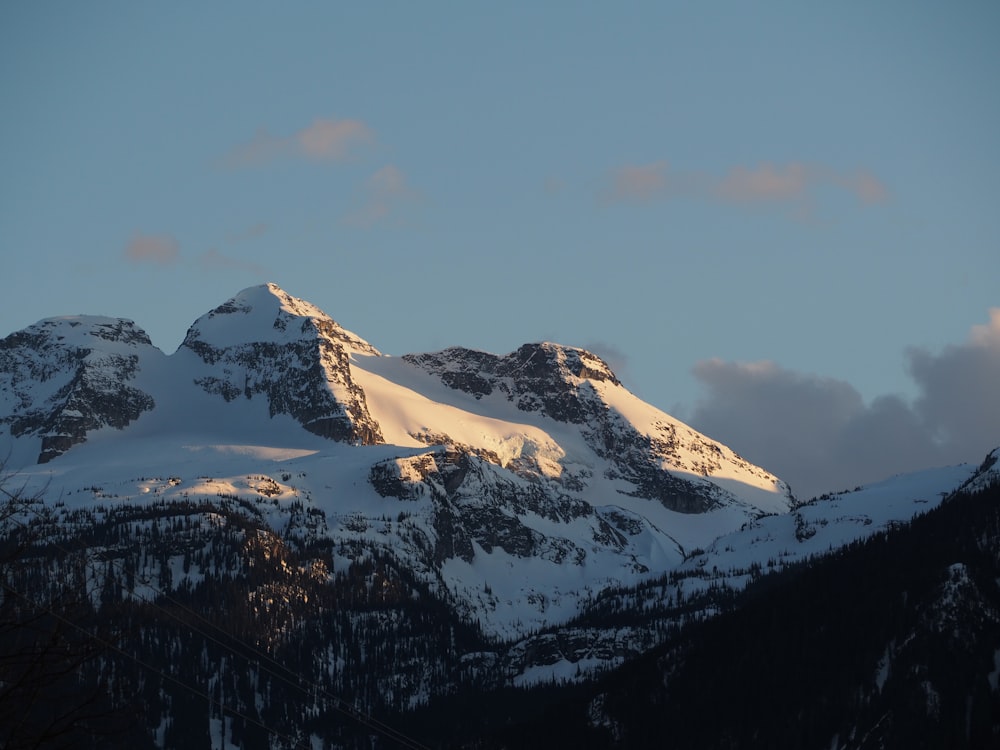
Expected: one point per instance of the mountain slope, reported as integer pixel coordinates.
(535, 475)
(66, 377)
(889, 643)
(394, 529)
(264, 342)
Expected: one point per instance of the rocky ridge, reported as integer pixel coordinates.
(515, 488)
(64, 378)
(398, 528)
(296, 357)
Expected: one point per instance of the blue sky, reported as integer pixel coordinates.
(741, 206)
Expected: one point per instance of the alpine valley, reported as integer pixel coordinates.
(278, 536)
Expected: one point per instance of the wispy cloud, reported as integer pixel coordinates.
(214, 260)
(383, 195)
(866, 187)
(639, 183)
(554, 185)
(249, 233)
(158, 249)
(332, 139)
(791, 186)
(325, 140)
(163, 250)
(765, 183)
(819, 434)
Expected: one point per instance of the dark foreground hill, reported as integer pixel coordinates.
(278, 537)
(893, 642)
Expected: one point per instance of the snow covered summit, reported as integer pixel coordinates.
(63, 378)
(536, 470)
(265, 343)
(545, 411)
(516, 491)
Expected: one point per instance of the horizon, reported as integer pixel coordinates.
(309, 309)
(776, 224)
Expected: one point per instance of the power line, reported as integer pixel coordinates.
(164, 675)
(262, 660)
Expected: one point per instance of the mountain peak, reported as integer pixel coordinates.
(65, 377)
(987, 475)
(266, 294)
(265, 342)
(267, 313)
(569, 361)
(84, 331)
(555, 413)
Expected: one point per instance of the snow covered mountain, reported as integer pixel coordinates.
(892, 642)
(537, 469)
(66, 377)
(69, 377)
(554, 523)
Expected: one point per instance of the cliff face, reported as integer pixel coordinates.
(265, 343)
(516, 488)
(393, 530)
(64, 378)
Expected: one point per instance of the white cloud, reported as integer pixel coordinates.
(819, 434)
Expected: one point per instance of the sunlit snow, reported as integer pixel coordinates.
(194, 444)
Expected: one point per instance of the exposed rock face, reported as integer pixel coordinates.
(68, 377)
(986, 475)
(263, 342)
(538, 377)
(63, 378)
(477, 504)
(564, 383)
(522, 523)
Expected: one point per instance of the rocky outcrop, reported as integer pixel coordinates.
(537, 377)
(476, 504)
(68, 377)
(565, 384)
(265, 343)
(64, 378)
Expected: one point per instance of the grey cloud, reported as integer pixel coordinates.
(617, 359)
(819, 434)
(960, 389)
(785, 421)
